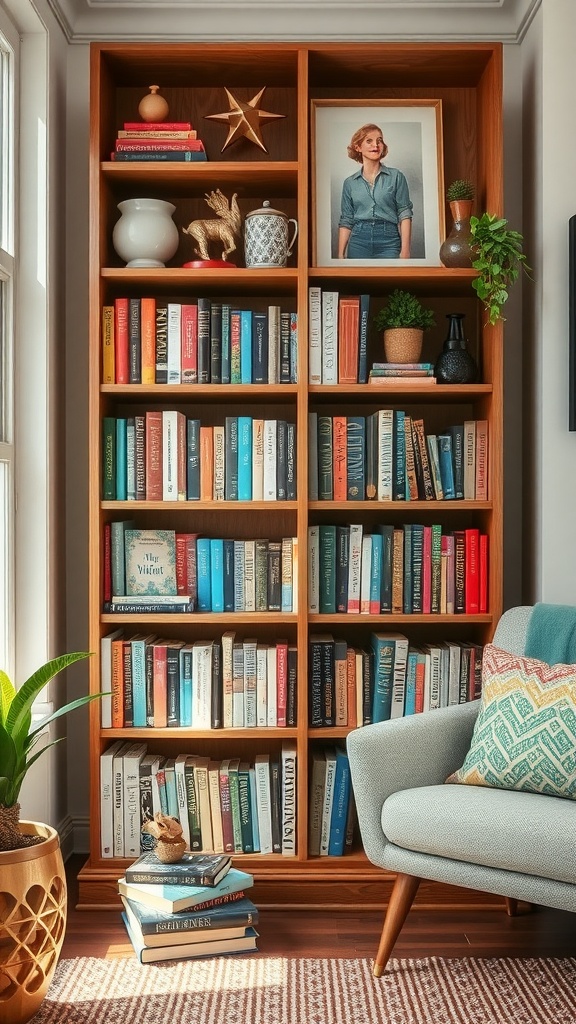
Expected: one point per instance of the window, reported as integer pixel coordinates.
(8, 77)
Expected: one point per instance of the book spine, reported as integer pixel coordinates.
(108, 353)
(329, 331)
(134, 350)
(121, 340)
(315, 335)
(203, 341)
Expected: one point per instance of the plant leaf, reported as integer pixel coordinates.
(8, 753)
(27, 694)
(78, 703)
(7, 694)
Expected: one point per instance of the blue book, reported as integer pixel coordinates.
(228, 575)
(407, 596)
(410, 695)
(217, 574)
(356, 457)
(121, 459)
(173, 898)
(138, 659)
(237, 914)
(117, 555)
(244, 458)
(203, 574)
(384, 652)
(231, 458)
(363, 330)
(254, 808)
(293, 348)
(245, 346)
(226, 366)
(164, 155)
(340, 805)
(152, 954)
(376, 574)
(193, 460)
(399, 443)
(185, 655)
(446, 466)
(259, 348)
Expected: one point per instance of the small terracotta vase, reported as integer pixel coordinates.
(403, 344)
(153, 107)
(456, 249)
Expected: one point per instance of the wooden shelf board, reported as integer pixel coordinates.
(227, 619)
(215, 392)
(402, 506)
(247, 179)
(178, 732)
(212, 506)
(206, 280)
(414, 619)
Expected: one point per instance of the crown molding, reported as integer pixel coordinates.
(83, 21)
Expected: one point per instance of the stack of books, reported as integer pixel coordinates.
(197, 907)
(402, 373)
(147, 140)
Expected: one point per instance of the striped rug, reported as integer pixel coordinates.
(278, 990)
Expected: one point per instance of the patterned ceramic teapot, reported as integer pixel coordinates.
(266, 237)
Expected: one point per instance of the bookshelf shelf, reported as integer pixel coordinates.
(467, 78)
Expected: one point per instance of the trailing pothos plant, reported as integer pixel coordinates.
(18, 742)
(498, 258)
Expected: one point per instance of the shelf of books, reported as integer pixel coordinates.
(287, 540)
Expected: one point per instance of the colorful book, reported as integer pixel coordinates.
(145, 954)
(192, 869)
(158, 928)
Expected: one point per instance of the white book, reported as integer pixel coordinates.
(288, 794)
(314, 569)
(365, 575)
(181, 796)
(156, 801)
(329, 337)
(174, 342)
(470, 460)
(444, 673)
(270, 440)
(107, 798)
(239, 548)
(118, 799)
(215, 807)
(171, 477)
(274, 344)
(261, 685)
(201, 785)
(250, 683)
(401, 645)
(385, 454)
(149, 765)
(250, 576)
(328, 800)
(131, 798)
(354, 567)
(272, 686)
(315, 335)
(433, 652)
(238, 686)
(257, 460)
(454, 658)
(263, 796)
(202, 684)
(106, 678)
(227, 679)
(219, 462)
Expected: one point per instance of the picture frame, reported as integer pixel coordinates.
(412, 130)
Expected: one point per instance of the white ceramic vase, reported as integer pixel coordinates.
(145, 235)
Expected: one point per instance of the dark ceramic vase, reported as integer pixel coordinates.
(456, 250)
(455, 365)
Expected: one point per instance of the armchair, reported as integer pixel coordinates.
(519, 845)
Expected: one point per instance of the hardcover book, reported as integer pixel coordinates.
(246, 943)
(158, 928)
(192, 869)
(150, 562)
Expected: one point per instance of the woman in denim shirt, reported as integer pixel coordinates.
(376, 213)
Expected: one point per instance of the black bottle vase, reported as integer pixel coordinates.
(455, 365)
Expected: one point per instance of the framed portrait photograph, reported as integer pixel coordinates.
(377, 182)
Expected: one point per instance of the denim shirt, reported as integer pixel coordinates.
(388, 200)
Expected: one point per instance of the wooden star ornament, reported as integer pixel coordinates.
(244, 119)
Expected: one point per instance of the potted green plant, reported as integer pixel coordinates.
(403, 320)
(498, 258)
(456, 250)
(33, 911)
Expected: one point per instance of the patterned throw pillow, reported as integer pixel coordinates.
(525, 733)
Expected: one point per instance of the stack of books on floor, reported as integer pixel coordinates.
(146, 140)
(402, 373)
(195, 908)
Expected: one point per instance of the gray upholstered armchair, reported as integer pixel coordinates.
(516, 844)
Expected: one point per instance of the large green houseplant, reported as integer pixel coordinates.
(498, 258)
(18, 742)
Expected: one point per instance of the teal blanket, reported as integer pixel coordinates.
(551, 635)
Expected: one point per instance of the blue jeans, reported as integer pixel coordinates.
(373, 240)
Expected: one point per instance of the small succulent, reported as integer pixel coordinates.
(460, 189)
(403, 309)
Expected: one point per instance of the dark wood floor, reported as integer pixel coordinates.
(484, 933)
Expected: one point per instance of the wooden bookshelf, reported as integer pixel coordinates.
(467, 78)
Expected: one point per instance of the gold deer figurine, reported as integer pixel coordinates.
(223, 230)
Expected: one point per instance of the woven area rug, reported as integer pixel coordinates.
(277, 990)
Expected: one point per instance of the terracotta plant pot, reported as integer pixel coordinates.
(32, 922)
(403, 344)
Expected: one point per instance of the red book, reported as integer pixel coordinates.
(348, 334)
(157, 126)
(148, 340)
(189, 338)
(107, 564)
(351, 686)
(121, 357)
(340, 464)
(154, 488)
(206, 463)
(483, 597)
(159, 686)
(472, 571)
(281, 681)
(128, 145)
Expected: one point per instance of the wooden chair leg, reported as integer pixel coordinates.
(511, 906)
(401, 899)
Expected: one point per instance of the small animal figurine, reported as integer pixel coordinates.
(170, 843)
(225, 229)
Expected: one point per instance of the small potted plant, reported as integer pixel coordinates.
(403, 320)
(497, 256)
(31, 866)
(456, 250)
